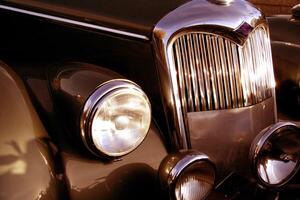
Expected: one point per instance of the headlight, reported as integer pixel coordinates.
(115, 118)
(187, 175)
(275, 154)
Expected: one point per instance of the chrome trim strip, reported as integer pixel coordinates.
(175, 164)
(181, 137)
(74, 22)
(286, 43)
(182, 164)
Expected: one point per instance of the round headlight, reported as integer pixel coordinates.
(195, 182)
(115, 118)
(187, 175)
(275, 154)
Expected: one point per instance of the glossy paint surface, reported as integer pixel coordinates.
(133, 176)
(137, 16)
(285, 28)
(27, 163)
(285, 36)
(44, 47)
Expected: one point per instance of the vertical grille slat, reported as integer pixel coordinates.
(191, 51)
(212, 70)
(224, 66)
(219, 73)
(187, 74)
(237, 73)
(180, 73)
(206, 72)
(200, 73)
(231, 75)
(215, 73)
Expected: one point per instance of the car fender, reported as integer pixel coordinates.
(28, 168)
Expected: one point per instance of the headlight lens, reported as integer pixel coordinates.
(187, 175)
(276, 155)
(118, 116)
(195, 182)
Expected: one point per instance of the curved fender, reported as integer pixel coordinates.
(287, 74)
(133, 176)
(27, 169)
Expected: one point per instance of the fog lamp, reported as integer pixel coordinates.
(187, 175)
(115, 118)
(275, 154)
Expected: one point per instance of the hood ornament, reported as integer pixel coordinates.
(244, 29)
(221, 2)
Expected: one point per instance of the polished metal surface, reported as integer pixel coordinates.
(274, 154)
(296, 10)
(221, 2)
(90, 105)
(174, 166)
(198, 17)
(184, 163)
(216, 73)
(74, 22)
(226, 135)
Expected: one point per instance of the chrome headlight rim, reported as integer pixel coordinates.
(258, 144)
(91, 106)
(176, 164)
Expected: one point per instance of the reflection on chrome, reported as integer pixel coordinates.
(275, 154)
(116, 118)
(274, 171)
(187, 175)
(213, 72)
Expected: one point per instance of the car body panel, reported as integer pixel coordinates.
(285, 40)
(87, 176)
(138, 16)
(218, 135)
(285, 28)
(28, 167)
(133, 176)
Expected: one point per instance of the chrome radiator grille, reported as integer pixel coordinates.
(212, 72)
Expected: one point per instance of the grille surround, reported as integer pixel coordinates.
(233, 73)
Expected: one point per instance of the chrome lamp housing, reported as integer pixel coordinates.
(275, 155)
(115, 119)
(187, 175)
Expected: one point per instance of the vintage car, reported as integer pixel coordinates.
(141, 99)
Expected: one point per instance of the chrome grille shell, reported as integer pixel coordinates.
(204, 17)
(213, 72)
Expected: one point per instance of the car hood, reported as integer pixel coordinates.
(135, 16)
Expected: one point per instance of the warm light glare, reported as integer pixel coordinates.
(121, 122)
(211, 72)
